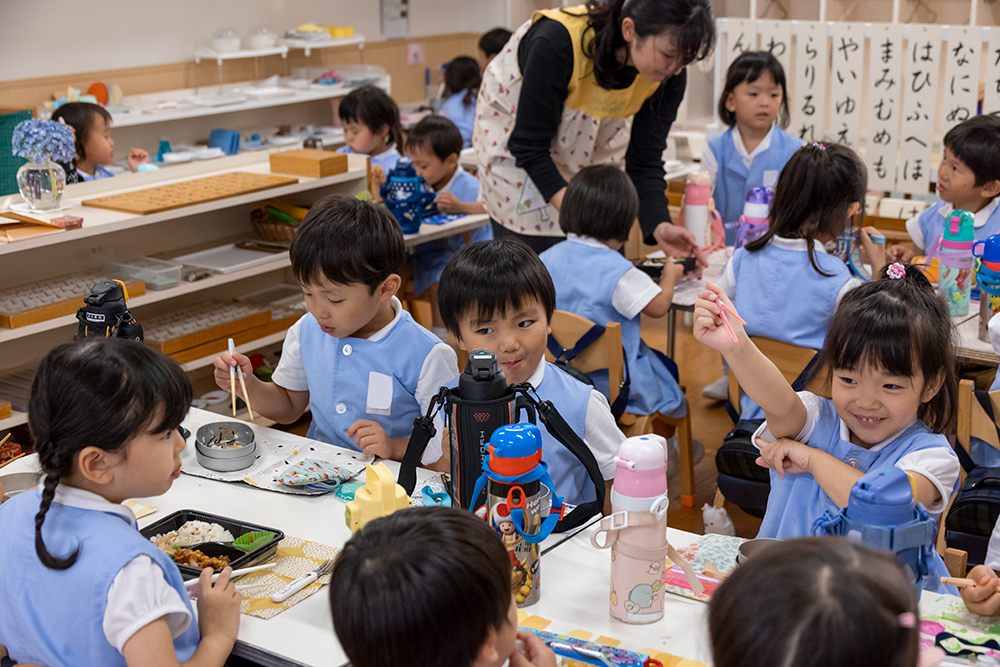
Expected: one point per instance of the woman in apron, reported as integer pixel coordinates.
(594, 84)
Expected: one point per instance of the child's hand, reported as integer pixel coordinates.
(136, 157)
(984, 598)
(899, 253)
(671, 272)
(372, 439)
(785, 456)
(875, 251)
(535, 654)
(224, 362)
(218, 606)
(708, 326)
(448, 203)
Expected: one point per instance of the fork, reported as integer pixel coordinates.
(326, 567)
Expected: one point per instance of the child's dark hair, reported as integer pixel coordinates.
(798, 604)
(348, 241)
(437, 135)
(815, 190)
(902, 326)
(493, 40)
(462, 74)
(420, 587)
(98, 392)
(749, 67)
(81, 116)
(493, 277)
(372, 107)
(600, 202)
(976, 142)
(689, 21)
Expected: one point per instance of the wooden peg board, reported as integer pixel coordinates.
(189, 193)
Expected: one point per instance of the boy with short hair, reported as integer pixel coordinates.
(497, 295)
(447, 570)
(362, 363)
(435, 144)
(968, 178)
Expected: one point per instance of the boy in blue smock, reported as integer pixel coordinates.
(435, 144)
(362, 363)
(968, 178)
(497, 295)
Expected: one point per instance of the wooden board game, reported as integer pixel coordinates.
(201, 323)
(189, 193)
(55, 297)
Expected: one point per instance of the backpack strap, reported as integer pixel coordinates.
(563, 356)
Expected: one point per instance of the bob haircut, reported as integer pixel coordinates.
(749, 67)
(600, 202)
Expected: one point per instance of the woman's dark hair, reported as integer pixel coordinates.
(81, 117)
(423, 586)
(797, 605)
(600, 202)
(749, 67)
(462, 73)
(814, 192)
(903, 327)
(492, 277)
(98, 392)
(372, 107)
(690, 22)
(493, 40)
(976, 142)
(348, 241)
(437, 135)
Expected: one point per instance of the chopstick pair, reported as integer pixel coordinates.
(236, 573)
(726, 309)
(958, 582)
(233, 372)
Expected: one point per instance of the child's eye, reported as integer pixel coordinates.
(524, 324)
(847, 380)
(335, 302)
(485, 331)
(891, 386)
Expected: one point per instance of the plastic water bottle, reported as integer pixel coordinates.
(956, 261)
(754, 221)
(987, 272)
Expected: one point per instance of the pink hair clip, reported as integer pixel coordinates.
(818, 145)
(907, 620)
(896, 271)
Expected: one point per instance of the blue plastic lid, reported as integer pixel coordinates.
(516, 441)
(883, 497)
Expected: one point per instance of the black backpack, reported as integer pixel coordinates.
(564, 356)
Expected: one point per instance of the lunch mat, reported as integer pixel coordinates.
(273, 457)
(947, 613)
(667, 659)
(719, 551)
(296, 557)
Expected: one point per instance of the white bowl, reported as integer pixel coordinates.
(19, 482)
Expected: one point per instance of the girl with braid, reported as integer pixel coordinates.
(104, 415)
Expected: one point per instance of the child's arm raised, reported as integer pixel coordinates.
(268, 399)
(876, 251)
(759, 378)
(659, 305)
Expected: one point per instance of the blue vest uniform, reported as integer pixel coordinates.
(932, 224)
(462, 115)
(796, 501)
(733, 180)
(429, 259)
(55, 617)
(585, 278)
(337, 372)
(386, 160)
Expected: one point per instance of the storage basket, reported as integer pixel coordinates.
(266, 228)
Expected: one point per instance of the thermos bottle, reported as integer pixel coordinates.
(754, 221)
(956, 261)
(987, 271)
(698, 216)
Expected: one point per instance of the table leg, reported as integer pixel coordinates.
(671, 331)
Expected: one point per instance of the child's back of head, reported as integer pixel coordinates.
(976, 142)
(436, 135)
(600, 202)
(816, 602)
(818, 192)
(82, 117)
(372, 107)
(347, 241)
(493, 40)
(427, 586)
(462, 76)
(899, 324)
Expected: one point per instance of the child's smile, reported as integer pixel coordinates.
(877, 405)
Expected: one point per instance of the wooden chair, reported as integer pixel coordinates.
(790, 359)
(605, 353)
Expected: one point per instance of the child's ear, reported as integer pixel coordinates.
(730, 103)
(383, 132)
(96, 465)
(853, 209)
(488, 654)
(932, 387)
(451, 161)
(389, 287)
(990, 189)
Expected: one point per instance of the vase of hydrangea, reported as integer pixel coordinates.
(43, 143)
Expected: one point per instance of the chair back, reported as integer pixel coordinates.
(790, 359)
(604, 353)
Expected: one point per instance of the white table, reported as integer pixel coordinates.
(575, 576)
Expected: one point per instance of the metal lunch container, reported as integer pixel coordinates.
(225, 458)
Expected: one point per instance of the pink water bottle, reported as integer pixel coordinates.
(637, 530)
(698, 215)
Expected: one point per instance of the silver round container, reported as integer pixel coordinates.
(225, 459)
(751, 548)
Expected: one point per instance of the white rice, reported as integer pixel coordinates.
(190, 533)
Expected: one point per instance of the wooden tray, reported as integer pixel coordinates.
(188, 193)
(308, 162)
(11, 319)
(280, 321)
(202, 323)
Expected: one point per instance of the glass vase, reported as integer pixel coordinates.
(41, 184)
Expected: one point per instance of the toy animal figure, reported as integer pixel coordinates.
(717, 520)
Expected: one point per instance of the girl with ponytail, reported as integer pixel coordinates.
(104, 415)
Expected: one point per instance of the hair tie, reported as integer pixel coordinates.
(818, 145)
(896, 271)
(907, 620)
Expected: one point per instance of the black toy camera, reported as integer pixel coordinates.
(106, 313)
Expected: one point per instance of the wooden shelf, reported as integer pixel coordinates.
(16, 419)
(252, 345)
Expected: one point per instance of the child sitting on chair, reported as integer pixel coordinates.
(593, 280)
(431, 587)
(357, 357)
(497, 295)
